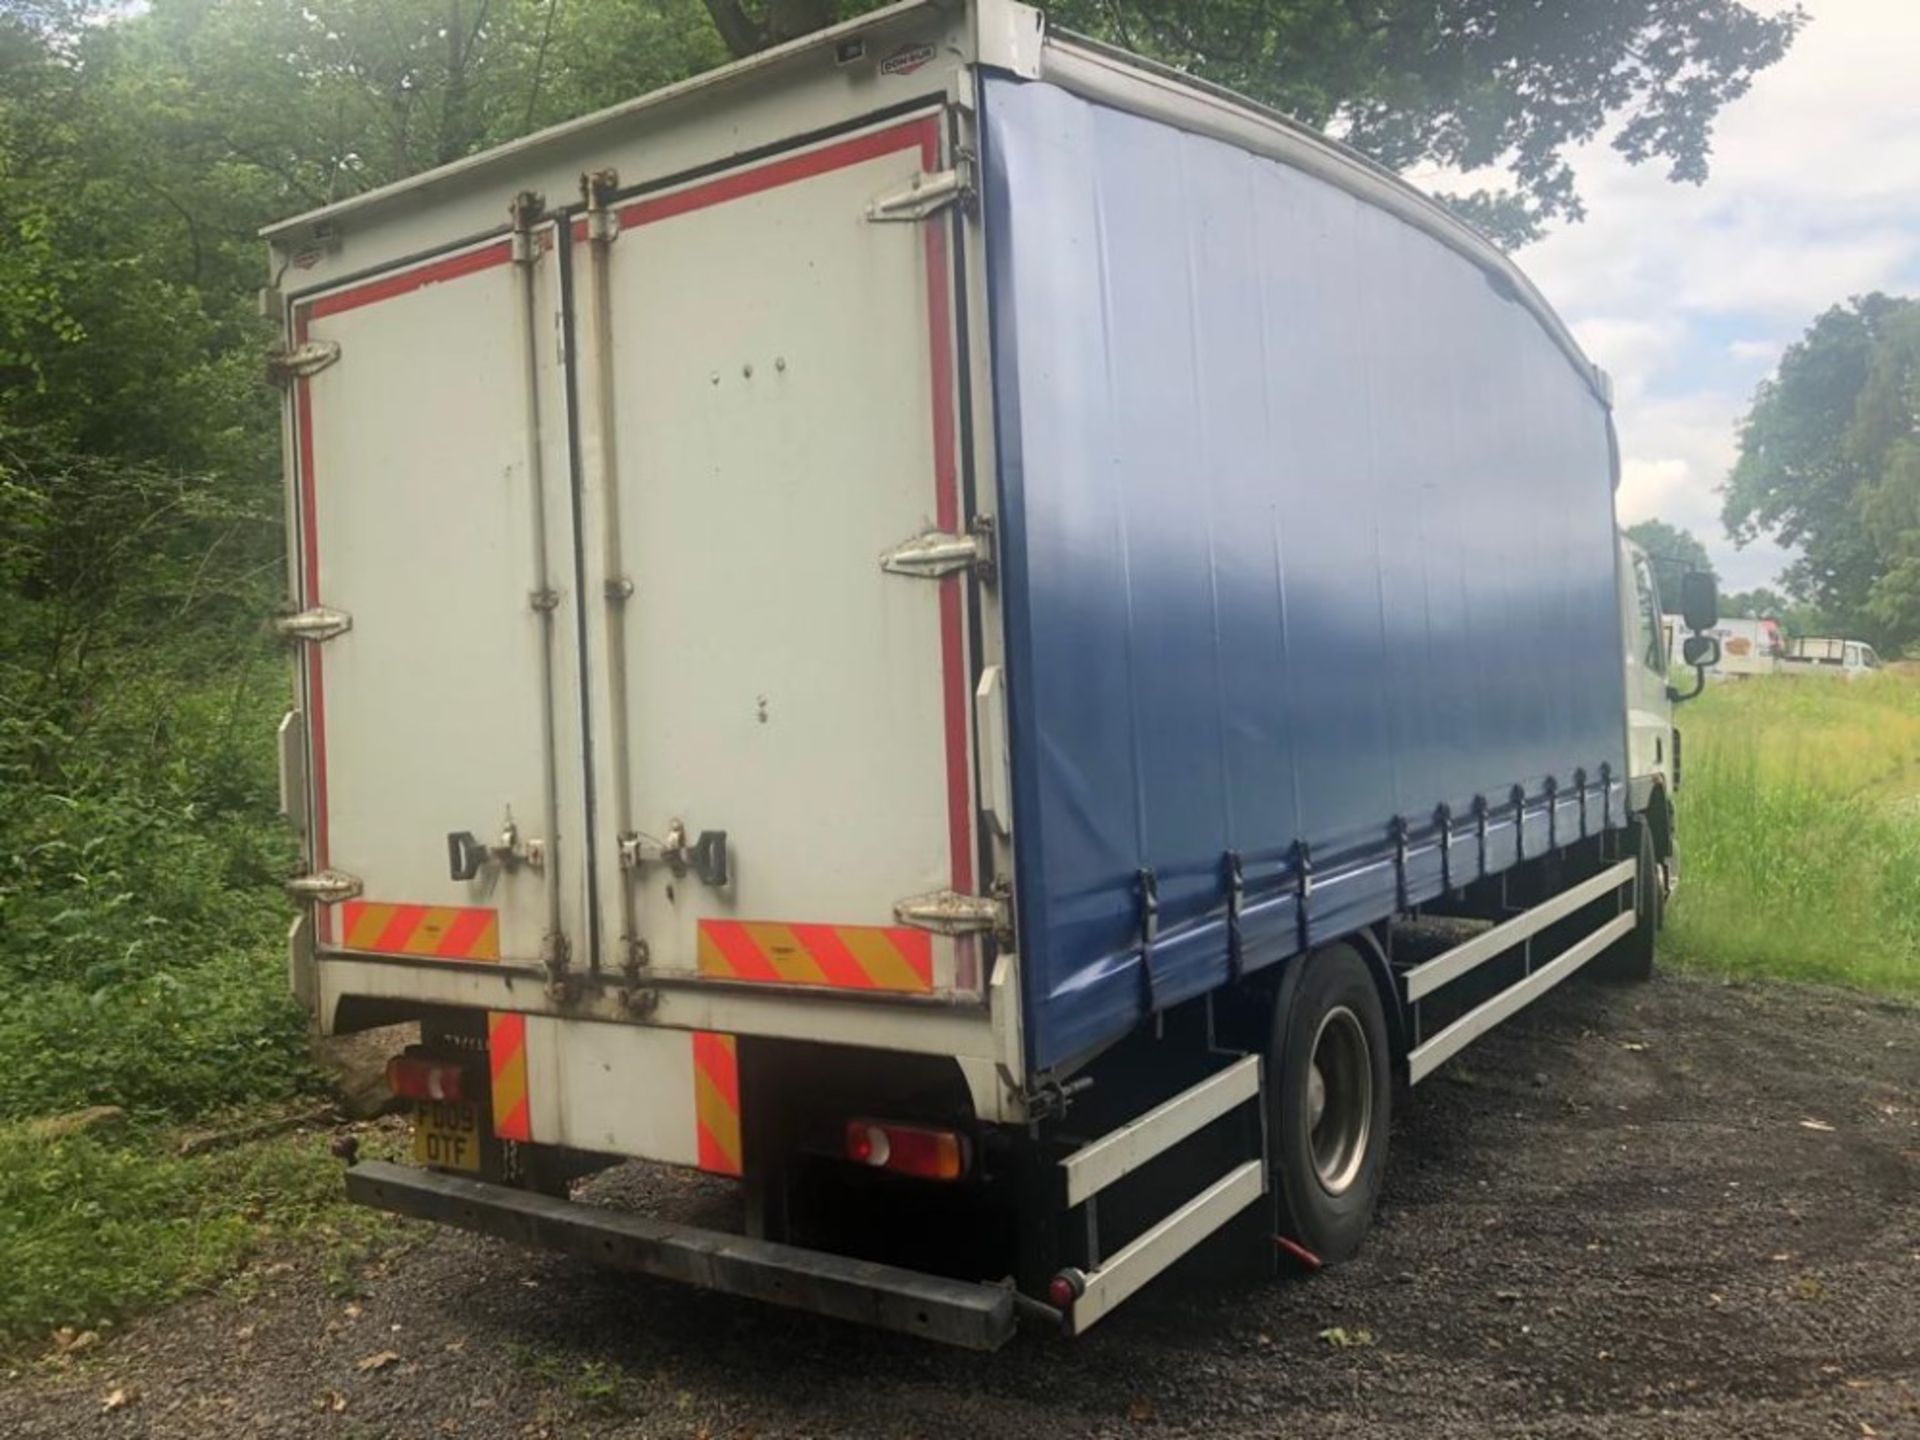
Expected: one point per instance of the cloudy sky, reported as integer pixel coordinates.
(1688, 296)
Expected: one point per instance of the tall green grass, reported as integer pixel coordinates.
(1799, 824)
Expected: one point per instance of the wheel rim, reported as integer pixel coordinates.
(1339, 1100)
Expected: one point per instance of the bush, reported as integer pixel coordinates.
(141, 924)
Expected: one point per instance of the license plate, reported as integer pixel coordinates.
(446, 1134)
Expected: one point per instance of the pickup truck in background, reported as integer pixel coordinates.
(1830, 657)
(904, 622)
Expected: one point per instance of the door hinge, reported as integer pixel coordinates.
(328, 887)
(947, 912)
(598, 189)
(314, 625)
(556, 958)
(937, 553)
(299, 361)
(929, 193)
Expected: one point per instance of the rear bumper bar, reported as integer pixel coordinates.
(978, 1317)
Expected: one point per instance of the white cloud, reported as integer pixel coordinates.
(1681, 449)
(1750, 352)
(1629, 348)
(1814, 196)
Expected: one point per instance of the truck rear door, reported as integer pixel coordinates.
(767, 377)
(426, 607)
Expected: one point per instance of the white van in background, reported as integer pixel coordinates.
(1747, 647)
(1827, 655)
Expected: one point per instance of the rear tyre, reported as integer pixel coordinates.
(1631, 957)
(1330, 1098)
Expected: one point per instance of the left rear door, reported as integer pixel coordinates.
(416, 493)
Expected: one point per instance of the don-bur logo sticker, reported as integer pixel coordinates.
(907, 59)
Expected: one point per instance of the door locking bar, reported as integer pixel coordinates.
(705, 855)
(467, 857)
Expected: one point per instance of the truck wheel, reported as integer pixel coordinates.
(1330, 1094)
(1631, 957)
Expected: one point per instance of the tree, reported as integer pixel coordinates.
(1673, 552)
(746, 32)
(1763, 602)
(1464, 85)
(1829, 463)
(1759, 603)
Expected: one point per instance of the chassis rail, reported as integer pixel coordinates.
(975, 1316)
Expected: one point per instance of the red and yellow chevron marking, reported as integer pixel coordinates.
(446, 932)
(845, 957)
(716, 1101)
(507, 1058)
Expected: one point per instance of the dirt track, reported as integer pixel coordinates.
(1625, 1215)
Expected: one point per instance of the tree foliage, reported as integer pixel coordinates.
(1829, 464)
(1473, 84)
(1760, 603)
(1464, 85)
(1673, 552)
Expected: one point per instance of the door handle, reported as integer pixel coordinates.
(466, 856)
(708, 858)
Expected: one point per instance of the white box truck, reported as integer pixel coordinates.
(901, 622)
(1748, 646)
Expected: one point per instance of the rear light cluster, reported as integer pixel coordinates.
(414, 1077)
(917, 1150)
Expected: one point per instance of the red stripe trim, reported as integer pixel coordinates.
(463, 934)
(742, 954)
(407, 281)
(925, 133)
(830, 953)
(373, 291)
(713, 1156)
(506, 1037)
(741, 183)
(400, 927)
(310, 576)
(721, 1064)
(518, 1125)
(946, 494)
(916, 948)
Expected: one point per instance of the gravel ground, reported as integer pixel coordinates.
(1685, 1209)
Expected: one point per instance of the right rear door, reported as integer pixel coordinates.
(782, 378)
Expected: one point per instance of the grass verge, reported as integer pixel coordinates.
(95, 1229)
(1800, 833)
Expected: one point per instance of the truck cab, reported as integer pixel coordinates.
(1654, 646)
(1645, 644)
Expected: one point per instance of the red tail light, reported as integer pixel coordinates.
(413, 1077)
(908, 1149)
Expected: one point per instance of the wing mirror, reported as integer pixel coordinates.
(1699, 602)
(1700, 608)
(1700, 651)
